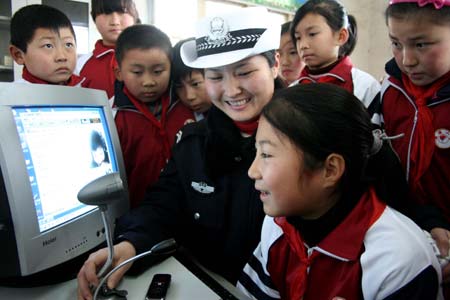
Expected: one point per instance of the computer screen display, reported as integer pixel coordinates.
(56, 145)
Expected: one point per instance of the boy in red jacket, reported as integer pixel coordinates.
(147, 121)
(43, 41)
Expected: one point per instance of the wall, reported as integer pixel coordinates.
(373, 47)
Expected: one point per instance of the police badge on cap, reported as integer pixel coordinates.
(230, 37)
(218, 33)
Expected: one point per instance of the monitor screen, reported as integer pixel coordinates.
(53, 141)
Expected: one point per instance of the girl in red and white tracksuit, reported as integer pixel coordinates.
(415, 103)
(325, 35)
(332, 191)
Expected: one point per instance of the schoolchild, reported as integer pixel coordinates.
(204, 197)
(43, 42)
(415, 100)
(188, 85)
(330, 232)
(146, 119)
(325, 36)
(111, 17)
(291, 65)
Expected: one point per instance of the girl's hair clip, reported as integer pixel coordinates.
(379, 137)
(438, 4)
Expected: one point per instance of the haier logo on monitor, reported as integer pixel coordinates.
(49, 241)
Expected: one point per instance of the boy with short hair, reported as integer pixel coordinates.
(43, 41)
(188, 85)
(147, 120)
(111, 17)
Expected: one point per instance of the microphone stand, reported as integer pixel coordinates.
(109, 242)
(101, 192)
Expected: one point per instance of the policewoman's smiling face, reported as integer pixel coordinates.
(242, 89)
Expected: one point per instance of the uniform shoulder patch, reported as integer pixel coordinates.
(191, 129)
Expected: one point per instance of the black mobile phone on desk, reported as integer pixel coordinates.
(158, 287)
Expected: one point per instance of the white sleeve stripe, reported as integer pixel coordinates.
(256, 279)
(255, 282)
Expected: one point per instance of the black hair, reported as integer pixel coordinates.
(412, 11)
(179, 69)
(321, 119)
(286, 27)
(28, 19)
(97, 141)
(270, 56)
(271, 59)
(336, 17)
(142, 37)
(109, 6)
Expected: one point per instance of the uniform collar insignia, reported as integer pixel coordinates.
(202, 187)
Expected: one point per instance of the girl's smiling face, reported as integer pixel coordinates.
(287, 187)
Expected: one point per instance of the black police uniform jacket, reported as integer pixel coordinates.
(203, 198)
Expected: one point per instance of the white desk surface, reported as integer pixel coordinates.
(184, 285)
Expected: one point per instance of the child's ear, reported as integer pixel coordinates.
(276, 65)
(343, 36)
(17, 54)
(334, 167)
(118, 73)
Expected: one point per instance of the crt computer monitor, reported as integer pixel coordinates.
(47, 135)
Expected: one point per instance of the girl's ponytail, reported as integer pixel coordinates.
(385, 173)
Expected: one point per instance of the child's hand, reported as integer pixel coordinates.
(446, 274)
(442, 239)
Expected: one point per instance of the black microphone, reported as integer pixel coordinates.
(163, 247)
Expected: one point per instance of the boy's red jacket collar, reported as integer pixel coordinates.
(74, 80)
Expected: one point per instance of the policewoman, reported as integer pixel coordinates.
(204, 197)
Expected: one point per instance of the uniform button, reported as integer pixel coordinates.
(238, 158)
(196, 216)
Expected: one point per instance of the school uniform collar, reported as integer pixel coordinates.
(314, 231)
(345, 241)
(395, 74)
(74, 80)
(341, 71)
(100, 49)
(122, 101)
(393, 70)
